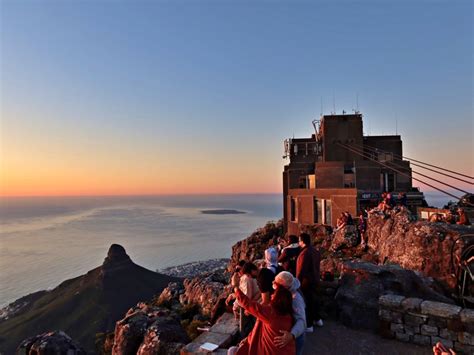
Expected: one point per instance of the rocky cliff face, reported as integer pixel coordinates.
(422, 246)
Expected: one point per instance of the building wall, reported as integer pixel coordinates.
(345, 129)
(341, 200)
(329, 175)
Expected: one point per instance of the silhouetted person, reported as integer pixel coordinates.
(289, 254)
(307, 272)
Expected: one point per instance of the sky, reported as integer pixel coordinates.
(186, 97)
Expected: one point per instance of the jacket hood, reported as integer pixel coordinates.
(295, 286)
(271, 257)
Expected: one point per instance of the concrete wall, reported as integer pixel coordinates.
(346, 129)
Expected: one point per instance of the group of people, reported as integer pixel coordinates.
(452, 217)
(388, 203)
(276, 304)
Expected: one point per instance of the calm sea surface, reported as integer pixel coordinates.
(44, 241)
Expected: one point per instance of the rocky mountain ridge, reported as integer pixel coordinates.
(85, 305)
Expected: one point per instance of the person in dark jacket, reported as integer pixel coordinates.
(307, 272)
(289, 255)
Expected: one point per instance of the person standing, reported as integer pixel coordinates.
(362, 228)
(463, 218)
(249, 287)
(307, 272)
(289, 255)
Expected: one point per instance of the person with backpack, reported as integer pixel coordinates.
(289, 254)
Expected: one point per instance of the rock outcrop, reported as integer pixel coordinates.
(170, 294)
(253, 247)
(422, 246)
(362, 284)
(205, 291)
(56, 342)
(148, 330)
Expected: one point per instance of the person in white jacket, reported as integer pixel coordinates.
(297, 332)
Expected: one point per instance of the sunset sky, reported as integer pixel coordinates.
(158, 97)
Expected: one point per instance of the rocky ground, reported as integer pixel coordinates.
(335, 338)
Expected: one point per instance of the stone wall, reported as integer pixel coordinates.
(427, 322)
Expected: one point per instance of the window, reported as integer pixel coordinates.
(316, 210)
(327, 206)
(293, 209)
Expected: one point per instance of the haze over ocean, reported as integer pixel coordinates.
(44, 241)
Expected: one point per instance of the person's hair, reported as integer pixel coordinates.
(305, 238)
(249, 267)
(282, 301)
(241, 263)
(293, 238)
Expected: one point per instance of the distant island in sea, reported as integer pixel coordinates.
(221, 211)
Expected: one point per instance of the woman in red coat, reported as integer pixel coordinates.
(271, 318)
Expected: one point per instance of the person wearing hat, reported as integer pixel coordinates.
(297, 332)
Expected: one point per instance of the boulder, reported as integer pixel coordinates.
(130, 331)
(346, 237)
(164, 336)
(363, 283)
(51, 343)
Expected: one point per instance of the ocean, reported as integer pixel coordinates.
(44, 241)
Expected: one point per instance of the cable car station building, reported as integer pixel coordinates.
(339, 169)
